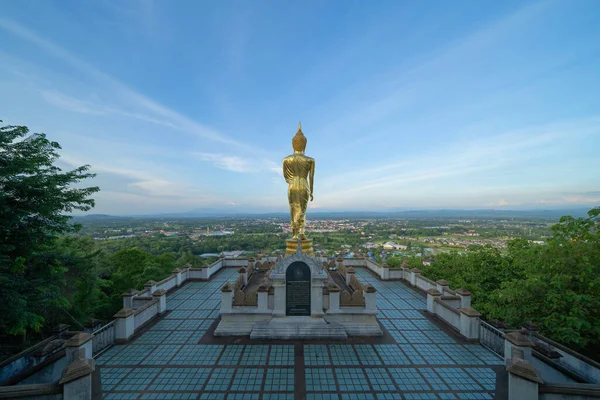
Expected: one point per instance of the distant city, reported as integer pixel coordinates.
(425, 235)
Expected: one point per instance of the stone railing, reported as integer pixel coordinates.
(138, 311)
(423, 283)
(104, 338)
(531, 377)
(69, 377)
(537, 358)
(145, 313)
(140, 307)
(167, 284)
(455, 311)
(39, 356)
(241, 299)
(355, 311)
(561, 357)
(564, 391)
(451, 306)
(354, 299)
(448, 313)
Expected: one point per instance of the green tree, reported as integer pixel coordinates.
(85, 290)
(560, 286)
(556, 286)
(35, 195)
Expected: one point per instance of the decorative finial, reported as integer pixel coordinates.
(299, 126)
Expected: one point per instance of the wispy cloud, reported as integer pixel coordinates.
(238, 164)
(131, 99)
(71, 104)
(493, 156)
(431, 121)
(227, 162)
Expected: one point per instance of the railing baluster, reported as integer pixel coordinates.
(104, 338)
(491, 338)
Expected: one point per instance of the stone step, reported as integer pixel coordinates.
(280, 329)
(234, 328)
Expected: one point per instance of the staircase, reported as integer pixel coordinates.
(291, 328)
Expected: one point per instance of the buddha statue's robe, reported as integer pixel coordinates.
(298, 171)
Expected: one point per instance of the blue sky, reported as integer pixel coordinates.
(191, 105)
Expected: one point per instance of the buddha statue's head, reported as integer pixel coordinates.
(299, 141)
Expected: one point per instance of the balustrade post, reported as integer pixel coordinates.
(177, 273)
(77, 378)
(124, 325)
(151, 286)
(469, 323)
(465, 297)
(279, 299)
(244, 274)
(370, 294)
(263, 298)
(162, 300)
(79, 344)
(334, 299)
(349, 273)
(414, 274)
(523, 378)
(226, 298)
(432, 295)
(520, 342)
(442, 285)
(128, 298)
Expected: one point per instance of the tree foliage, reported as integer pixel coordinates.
(556, 285)
(35, 196)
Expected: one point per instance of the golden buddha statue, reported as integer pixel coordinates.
(299, 172)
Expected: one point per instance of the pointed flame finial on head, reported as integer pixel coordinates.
(299, 141)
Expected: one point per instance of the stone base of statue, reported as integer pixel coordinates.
(292, 246)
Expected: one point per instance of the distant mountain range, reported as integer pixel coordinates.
(409, 214)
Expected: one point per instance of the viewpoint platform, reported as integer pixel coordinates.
(177, 355)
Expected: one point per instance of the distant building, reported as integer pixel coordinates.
(394, 246)
(228, 254)
(208, 255)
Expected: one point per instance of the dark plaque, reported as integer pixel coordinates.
(297, 289)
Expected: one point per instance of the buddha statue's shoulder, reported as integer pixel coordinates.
(297, 157)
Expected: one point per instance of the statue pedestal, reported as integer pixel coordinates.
(292, 245)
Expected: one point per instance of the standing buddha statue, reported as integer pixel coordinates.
(299, 172)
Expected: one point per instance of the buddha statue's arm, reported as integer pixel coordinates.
(311, 176)
(287, 172)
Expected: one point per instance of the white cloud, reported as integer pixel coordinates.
(128, 101)
(226, 162)
(239, 164)
(499, 203)
(70, 103)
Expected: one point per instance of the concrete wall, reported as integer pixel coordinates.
(549, 374)
(425, 284)
(573, 361)
(167, 284)
(145, 314)
(49, 374)
(448, 314)
(396, 273)
(216, 267)
(26, 360)
(569, 391)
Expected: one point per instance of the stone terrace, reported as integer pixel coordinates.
(177, 357)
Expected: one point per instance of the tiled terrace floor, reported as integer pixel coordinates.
(167, 361)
